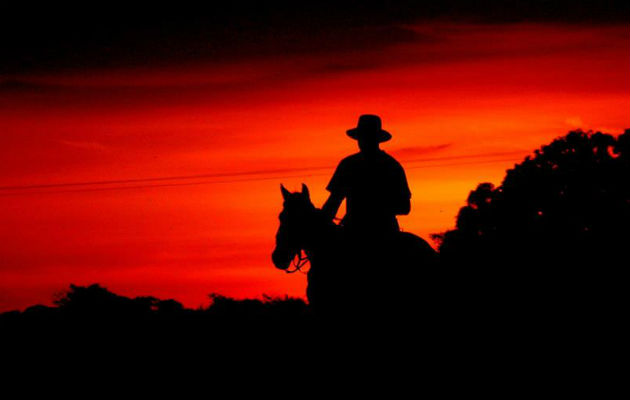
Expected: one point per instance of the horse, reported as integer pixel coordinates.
(350, 273)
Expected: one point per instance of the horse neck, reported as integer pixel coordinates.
(319, 233)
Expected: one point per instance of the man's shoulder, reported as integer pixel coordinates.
(390, 160)
(350, 160)
(352, 157)
(358, 158)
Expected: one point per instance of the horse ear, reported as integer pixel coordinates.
(305, 191)
(285, 192)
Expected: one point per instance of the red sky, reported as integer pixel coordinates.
(464, 103)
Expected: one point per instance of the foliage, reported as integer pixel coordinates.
(566, 206)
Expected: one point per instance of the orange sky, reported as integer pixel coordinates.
(462, 107)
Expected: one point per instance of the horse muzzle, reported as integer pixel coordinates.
(280, 260)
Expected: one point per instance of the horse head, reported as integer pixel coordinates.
(295, 223)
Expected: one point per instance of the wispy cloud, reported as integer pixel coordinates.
(406, 152)
(85, 145)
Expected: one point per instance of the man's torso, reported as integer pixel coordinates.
(372, 186)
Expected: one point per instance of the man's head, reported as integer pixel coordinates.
(369, 133)
(368, 145)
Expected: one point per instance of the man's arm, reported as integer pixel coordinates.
(338, 188)
(403, 201)
(331, 206)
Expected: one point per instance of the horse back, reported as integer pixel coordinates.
(416, 250)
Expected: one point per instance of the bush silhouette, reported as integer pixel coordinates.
(96, 311)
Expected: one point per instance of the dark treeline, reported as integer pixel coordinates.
(95, 308)
(552, 238)
(545, 251)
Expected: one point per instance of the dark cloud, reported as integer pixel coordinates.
(20, 86)
(420, 150)
(53, 37)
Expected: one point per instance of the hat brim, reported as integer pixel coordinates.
(380, 135)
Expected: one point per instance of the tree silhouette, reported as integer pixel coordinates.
(556, 228)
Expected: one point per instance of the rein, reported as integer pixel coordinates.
(301, 258)
(298, 262)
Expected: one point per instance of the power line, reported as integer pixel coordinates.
(155, 179)
(222, 175)
(174, 184)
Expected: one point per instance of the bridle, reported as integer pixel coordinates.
(298, 262)
(301, 259)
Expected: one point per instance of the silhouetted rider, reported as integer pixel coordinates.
(372, 182)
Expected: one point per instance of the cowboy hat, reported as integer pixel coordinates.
(369, 125)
